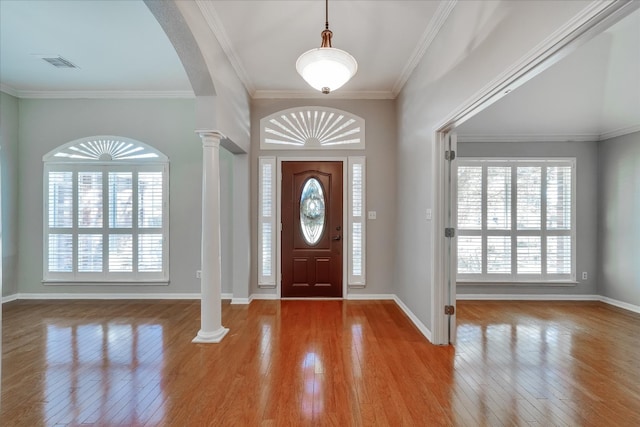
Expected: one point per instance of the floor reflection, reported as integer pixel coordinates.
(311, 387)
(513, 370)
(307, 363)
(103, 372)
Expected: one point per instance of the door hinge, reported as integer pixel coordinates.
(449, 232)
(449, 155)
(449, 310)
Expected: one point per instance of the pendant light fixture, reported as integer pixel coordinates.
(326, 68)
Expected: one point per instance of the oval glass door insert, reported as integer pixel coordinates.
(312, 216)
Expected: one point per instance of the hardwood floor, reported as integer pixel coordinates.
(315, 363)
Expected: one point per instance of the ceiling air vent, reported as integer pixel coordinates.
(59, 62)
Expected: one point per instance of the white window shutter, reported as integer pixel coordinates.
(516, 220)
(357, 222)
(267, 222)
(104, 220)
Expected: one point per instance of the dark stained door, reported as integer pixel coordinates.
(312, 229)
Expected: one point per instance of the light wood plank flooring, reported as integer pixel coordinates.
(316, 363)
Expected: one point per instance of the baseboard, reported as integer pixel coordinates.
(359, 297)
(547, 297)
(109, 296)
(263, 297)
(370, 297)
(240, 301)
(620, 304)
(421, 326)
(526, 297)
(116, 296)
(9, 298)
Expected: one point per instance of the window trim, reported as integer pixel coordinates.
(156, 162)
(514, 278)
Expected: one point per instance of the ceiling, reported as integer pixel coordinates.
(117, 45)
(592, 94)
(121, 50)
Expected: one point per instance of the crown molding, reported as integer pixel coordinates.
(619, 132)
(549, 137)
(8, 90)
(99, 94)
(304, 94)
(217, 27)
(433, 28)
(530, 137)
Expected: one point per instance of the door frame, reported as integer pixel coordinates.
(593, 21)
(345, 223)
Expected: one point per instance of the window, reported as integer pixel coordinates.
(516, 220)
(312, 128)
(357, 223)
(106, 212)
(267, 222)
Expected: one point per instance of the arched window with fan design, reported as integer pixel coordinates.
(106, 212)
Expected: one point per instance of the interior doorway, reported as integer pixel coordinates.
(312, 229)
(574, 35)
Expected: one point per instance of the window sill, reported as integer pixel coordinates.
(559, 283)
(106, 283)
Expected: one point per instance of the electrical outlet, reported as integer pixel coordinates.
(198, 274)
(584, 275)
(429, 215)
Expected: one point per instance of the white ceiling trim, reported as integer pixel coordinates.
(530, 138)
(8, 90)
(97, 94)
(619, 132)
(550, 137)
(340, 94)
(436, 23)
(215, 23)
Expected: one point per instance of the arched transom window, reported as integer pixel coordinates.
(312, 128)
(106, 212)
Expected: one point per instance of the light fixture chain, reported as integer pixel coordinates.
(326, 11)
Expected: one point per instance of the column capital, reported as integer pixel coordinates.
(210, 137)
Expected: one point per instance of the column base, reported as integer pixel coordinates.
(210, 337)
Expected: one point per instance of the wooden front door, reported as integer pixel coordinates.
(312, 229)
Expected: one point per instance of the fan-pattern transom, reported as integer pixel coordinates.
(104, 148)
(312, 128)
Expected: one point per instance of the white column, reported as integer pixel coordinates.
(211, 330)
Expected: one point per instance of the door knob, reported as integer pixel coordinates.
(336, 237)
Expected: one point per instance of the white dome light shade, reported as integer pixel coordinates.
(326, 68)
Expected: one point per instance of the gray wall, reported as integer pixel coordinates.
(9, 180)
(167, 125)
(380, 152)
(586, 154)
(619, 221)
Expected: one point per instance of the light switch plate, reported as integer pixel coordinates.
(372, 215)
(429, 215)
